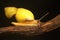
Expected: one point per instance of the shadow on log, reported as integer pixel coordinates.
(17, 31)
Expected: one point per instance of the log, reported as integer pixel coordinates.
(32, 30)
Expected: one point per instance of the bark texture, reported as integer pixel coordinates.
(32, 30)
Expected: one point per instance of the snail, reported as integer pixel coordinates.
(23, 16)
(10, 11)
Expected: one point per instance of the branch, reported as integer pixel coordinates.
(32, 30)
(52, 24)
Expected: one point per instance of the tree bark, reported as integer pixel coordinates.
(32, 31)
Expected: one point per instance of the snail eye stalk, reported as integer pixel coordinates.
(43, 16)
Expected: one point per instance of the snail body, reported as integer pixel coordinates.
(22, 16)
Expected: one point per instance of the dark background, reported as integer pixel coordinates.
(39, 8)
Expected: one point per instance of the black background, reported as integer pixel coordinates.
(38, 7)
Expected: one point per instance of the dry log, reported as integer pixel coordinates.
(32, 30)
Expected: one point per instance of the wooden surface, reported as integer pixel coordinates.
(32, 30)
